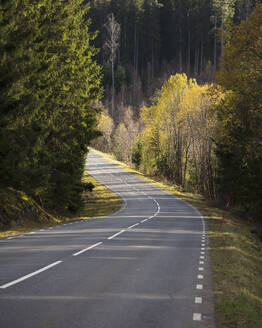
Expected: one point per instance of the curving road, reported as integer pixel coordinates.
(145, 266)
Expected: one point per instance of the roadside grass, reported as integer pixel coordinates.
(100, 202)
(236, 258)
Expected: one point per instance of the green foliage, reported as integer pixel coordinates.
(176, 141)
(239, 132)
(137, 154)
(48, 83)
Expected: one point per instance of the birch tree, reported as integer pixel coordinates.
(111, 45)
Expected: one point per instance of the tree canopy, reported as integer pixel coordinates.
(48, 84)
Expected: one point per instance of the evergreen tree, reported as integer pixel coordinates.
(49, 82)
(239, 133)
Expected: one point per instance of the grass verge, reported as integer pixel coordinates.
(236, 259)
(101, 201)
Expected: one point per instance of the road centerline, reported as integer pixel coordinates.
(14, 282)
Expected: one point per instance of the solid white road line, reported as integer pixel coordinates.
(30, 275)
(144, 220)
(87, 249)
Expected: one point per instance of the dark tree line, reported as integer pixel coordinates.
(159, 38)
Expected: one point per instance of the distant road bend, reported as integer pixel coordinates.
(146, 266)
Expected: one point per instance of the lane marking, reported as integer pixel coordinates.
(203, 248)
(115, 235)
(201, 262)
(202, 257)
(202, 253)
(199, 286)
(87, 249)
(197, 316)
(200, 269)
(144, 220)
(198, 300)
(134, 225)
(200, 276)
(14, 282)
(203, 245)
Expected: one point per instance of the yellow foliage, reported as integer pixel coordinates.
(178, 128)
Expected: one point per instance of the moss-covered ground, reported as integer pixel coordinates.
(26, 215)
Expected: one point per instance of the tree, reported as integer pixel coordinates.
(177, 140)
(239, 133)
(111, 45)
(106, 127)
(223, 12)
(48, 84)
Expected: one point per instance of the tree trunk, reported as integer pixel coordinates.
(202, 55)
(113, 86)
(196, 59)
(215, 44)
(188, 51)
(180, 50)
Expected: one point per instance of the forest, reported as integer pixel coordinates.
(182, 93)
(171, 86)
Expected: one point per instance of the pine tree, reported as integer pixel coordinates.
(49, 82)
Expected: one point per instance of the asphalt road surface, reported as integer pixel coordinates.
(146, 266)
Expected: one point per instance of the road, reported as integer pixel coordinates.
(146, 266)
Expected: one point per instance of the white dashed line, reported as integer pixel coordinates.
(201, 262)
(199, 286)
(197, 316)
(134, 225)
(87, 249)
(198, 300)
(117, 234)
(202, 257)
(200, 269)
(30, 275)
(200, 276)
